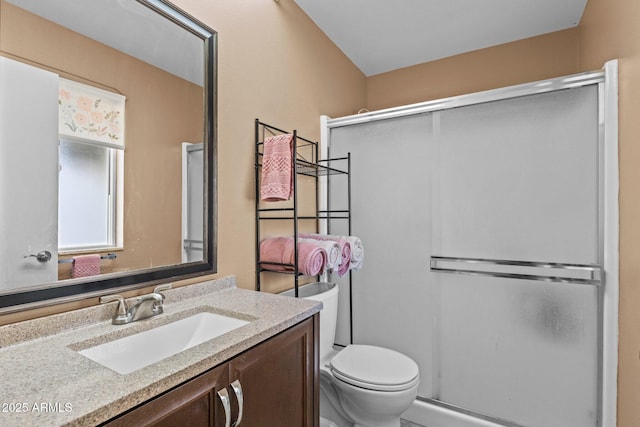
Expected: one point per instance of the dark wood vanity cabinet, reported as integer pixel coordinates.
(279, 380)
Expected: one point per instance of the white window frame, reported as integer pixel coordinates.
(115, 209)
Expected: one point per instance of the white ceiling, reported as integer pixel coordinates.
(384, 35)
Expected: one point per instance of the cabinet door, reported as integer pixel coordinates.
(279, 379)
(193, 404)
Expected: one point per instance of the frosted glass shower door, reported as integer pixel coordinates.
(390, 210)
(518, 180)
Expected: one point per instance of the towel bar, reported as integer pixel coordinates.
(70, 260)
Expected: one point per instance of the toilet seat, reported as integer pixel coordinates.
(374, 368)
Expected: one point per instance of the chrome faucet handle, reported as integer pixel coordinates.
(159, 289)
(121, 315)
(122, 306)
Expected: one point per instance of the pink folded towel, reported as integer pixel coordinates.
(311, 258)
(85, 265)
(276, 182)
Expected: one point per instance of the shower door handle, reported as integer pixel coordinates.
(583, 274)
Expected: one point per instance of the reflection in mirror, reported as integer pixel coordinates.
(106, 147)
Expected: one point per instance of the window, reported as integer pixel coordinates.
(91, 158)
(87, 196)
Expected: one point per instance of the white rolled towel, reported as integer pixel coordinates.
(357, 251)
(332, 248)
(357, 248)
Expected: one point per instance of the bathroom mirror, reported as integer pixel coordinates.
(107, 148)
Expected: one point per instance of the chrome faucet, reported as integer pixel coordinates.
(145, 306)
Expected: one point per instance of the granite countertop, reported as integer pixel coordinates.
(46, 382)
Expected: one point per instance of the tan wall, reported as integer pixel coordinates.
(275, 65)
(611, 29)
(523, 61)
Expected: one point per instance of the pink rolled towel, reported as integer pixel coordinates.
(311, 258)
(345, 263)
(85, 265)
(345, 249)
(276, 183)
(357, 251)
(334, 252)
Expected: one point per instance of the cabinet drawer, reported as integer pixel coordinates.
(193, 404)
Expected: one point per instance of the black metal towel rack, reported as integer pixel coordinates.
(307, 163)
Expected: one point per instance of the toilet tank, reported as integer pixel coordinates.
(327, 293)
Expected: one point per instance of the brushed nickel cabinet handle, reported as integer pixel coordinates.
(237, 389)
(224, 398)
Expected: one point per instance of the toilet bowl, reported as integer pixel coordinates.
(360, 385)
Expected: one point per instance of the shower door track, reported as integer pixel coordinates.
(469, 412)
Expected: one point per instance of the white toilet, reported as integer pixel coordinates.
(360, 385)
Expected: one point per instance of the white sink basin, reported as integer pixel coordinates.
(131, 353)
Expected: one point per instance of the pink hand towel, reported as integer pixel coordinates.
(311, 258)
(85, 265)
(276, 183)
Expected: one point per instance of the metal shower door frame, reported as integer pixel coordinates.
(607, 272)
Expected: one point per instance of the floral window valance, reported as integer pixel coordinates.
(90, 114)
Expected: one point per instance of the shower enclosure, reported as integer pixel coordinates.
(490, 228)
(192, 201)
